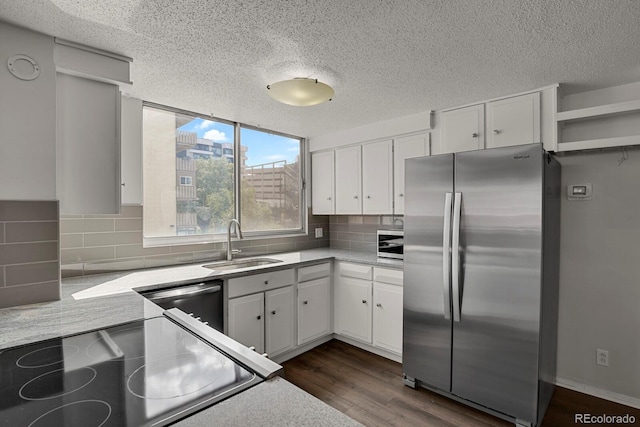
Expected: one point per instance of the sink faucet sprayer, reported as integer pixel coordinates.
(230, 252)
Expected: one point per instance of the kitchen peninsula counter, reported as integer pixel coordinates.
(99, 301)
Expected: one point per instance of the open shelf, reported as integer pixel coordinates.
(599, 111)
(599, 143)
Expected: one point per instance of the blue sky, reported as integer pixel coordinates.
(262, 147)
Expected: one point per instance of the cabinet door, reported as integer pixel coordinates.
(513, 121)
(387, 317)
(322, 184)
(131, 153)
(88, 146)
(463, 129)
(246, 320)
(353, 308)
(314, 309)
(377, 178)
(405, 148)
(348, 181)
(279, 335)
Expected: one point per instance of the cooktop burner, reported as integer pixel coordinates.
(150, 372)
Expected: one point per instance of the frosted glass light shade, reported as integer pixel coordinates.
(301, 92)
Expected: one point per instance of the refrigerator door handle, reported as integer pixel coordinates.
(446, 257)
(455, 257)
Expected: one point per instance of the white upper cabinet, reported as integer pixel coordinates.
(405, 148)
(131, 151)
(322, 183)
(348, 179)
(463, 129)
(88, 140)
(513, 121)
(88, 146)
(377, 178)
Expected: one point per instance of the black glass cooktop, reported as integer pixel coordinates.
(150, 372)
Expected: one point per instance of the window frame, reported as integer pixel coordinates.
(159, 241)
(188, 181)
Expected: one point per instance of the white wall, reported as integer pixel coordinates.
(373, 131)
(599, 275)
(27, 119)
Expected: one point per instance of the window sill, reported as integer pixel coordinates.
(156, 242)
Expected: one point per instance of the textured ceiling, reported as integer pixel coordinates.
(384, 58)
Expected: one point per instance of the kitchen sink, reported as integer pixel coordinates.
(236, 265)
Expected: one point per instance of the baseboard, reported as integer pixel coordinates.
(598, 392)
(371, 349)
(281, 358)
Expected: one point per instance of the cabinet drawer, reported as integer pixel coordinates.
(356, 271)
(314, 272)
(385, 275)
(260, 282)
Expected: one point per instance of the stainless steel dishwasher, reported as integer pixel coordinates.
(203, 301)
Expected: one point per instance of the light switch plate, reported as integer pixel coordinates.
(318, 232)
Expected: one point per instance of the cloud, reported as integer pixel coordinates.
(205, 124)
(276, 157)
(215, 135)
(296, 149)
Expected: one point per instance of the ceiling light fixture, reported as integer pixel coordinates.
(301, 92)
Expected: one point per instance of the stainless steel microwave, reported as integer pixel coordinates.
(391, 244)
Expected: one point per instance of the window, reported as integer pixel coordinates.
(270, 181)
(197, 177)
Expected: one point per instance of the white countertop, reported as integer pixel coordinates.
(99, 301)
(95, 302)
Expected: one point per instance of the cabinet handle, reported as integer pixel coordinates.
(266, 282)
(355, 197)
(474, 135)
(258, 317)
(273, 312)
(124, 184)
(328, 198)
(368, 197)
(305, 302)
(497, 131)
(401, 195)
(379, 305)
(364, 301)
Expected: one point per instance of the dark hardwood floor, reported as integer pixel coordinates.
(369, 389)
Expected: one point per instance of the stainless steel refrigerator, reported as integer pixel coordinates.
(481, 278)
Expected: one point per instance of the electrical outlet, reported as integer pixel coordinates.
(318, 233)
(602, 357)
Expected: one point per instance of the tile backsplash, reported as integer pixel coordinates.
(29, 252)
(93, 244)
(359, 232)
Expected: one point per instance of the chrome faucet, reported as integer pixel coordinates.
(230, 251)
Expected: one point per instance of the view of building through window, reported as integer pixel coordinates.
(189, 176)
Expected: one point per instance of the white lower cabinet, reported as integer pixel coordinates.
(353, 307)
(246, 320)
(314, 302)
(279, 320)
(314, 309)
(368, 305)
(387, 317)
(264, 320)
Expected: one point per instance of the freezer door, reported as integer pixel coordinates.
(426, 351)
(496, 339)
